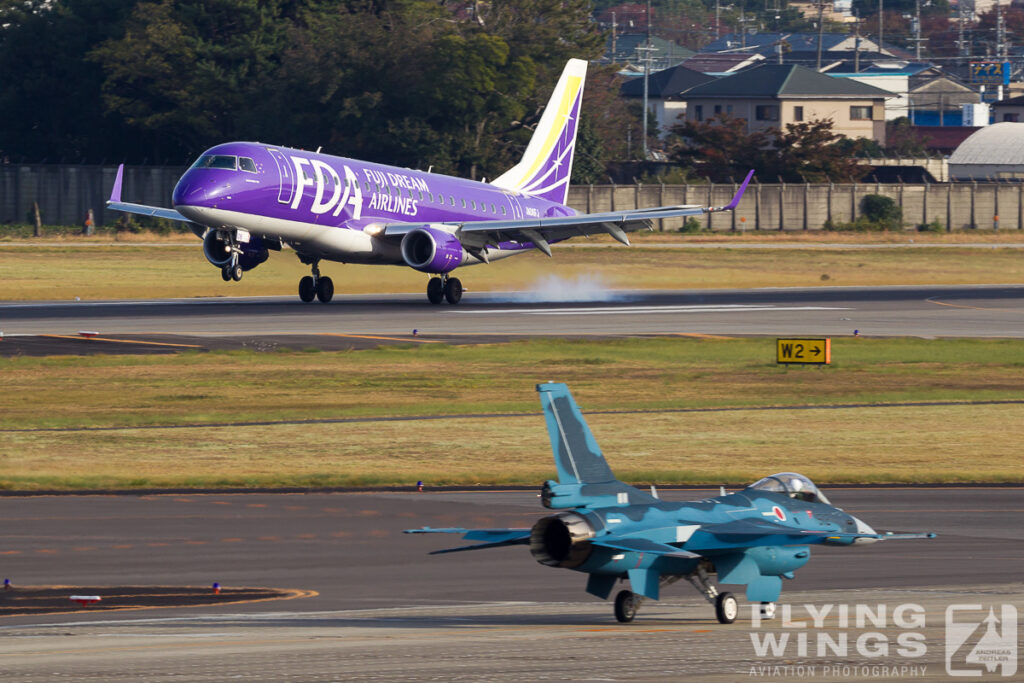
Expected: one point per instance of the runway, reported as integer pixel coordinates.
(385, 610)
(968, 311)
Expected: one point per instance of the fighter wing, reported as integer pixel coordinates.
(541, 232)
(116, 204)
(495, 538)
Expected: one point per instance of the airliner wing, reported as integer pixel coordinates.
(116, 204)
(541, 232)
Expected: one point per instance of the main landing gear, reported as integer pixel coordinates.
(444, 288)
(727, 608)
(316, 286)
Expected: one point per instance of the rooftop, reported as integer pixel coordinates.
(785, 80)
(666, 83)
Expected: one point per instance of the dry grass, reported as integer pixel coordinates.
(924, 443)
(171, 271)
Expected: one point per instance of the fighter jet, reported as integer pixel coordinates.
(612, 531)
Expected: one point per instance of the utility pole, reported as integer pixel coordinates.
(856, 43)
(881, 23)
(647, 76)
(821, 29)
(961, 44)
(614, 27)
(1000, 31)
(917, 31)
(718, 9)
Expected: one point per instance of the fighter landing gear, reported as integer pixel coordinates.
(316, 286)
(626, 605)
(444, 287)
(726, 606)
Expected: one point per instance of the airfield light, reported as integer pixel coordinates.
(419, 486)
(216, 588)
(7, 584)
(85, 600)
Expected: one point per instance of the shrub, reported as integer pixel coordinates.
(934, 226)
(691, 225)
(883, 211)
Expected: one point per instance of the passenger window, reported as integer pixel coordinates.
(366, 184)
(493, 210)
(474, 205)
(408, 192)
(503, 211)
(247, 164)
(430, 196)
(451, 198)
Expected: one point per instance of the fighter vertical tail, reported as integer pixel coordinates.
(547, 163)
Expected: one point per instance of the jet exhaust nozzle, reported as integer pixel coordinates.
(561, 540)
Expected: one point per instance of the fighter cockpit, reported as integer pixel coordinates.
(793, 485)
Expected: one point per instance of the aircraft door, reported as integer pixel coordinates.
(286, 174)
(517, 210)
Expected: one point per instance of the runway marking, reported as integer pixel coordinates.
(367, 336)
(698, 335)
(932, 300)
(120, 341)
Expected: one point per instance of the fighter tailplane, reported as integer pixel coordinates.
(755, 537)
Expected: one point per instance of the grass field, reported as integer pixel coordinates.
(171, 271)
(924, 443)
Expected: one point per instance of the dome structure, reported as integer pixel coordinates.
(992, 152)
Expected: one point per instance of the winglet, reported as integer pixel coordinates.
(739, 195)
(115, 193)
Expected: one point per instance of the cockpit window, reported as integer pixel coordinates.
(247, 164)
(217, 161)
(793, 485)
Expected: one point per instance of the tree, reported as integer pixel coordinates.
(721, 149)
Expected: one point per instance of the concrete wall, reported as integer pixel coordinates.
(66, 192)
(807, 207)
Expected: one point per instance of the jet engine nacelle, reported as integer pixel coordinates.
(561, 540)
(780, 560)
(431, 250)
(217, 249)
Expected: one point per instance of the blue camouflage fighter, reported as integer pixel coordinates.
(612, 531)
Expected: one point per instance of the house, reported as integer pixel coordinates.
(921, 91)
(774, 95)
(1011, 110)
(721, 63)
(629, 48)
(664, 93)
(768, 44)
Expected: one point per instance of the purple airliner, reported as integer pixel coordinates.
(245, 199)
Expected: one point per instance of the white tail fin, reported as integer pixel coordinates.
(546, 165)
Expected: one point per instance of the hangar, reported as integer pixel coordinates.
(993, 152)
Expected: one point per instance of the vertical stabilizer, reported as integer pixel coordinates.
(577, 455)
(547, 163)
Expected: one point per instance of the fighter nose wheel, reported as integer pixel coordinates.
(726, 608)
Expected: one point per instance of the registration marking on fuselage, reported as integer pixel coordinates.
(625, 310)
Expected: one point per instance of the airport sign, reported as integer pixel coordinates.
(808, 351)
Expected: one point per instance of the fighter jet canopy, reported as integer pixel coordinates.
(793, 485)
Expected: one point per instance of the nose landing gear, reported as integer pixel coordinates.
(316, 286)
(444, 288)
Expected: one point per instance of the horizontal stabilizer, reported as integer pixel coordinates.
(642, 545)
(495, 538)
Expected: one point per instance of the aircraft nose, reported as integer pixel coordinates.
(188, 192)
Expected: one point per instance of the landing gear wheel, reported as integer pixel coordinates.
(726, 608)
(225, 273)
(307, 289)
(324, 289)
(236, 272)
(625, 606)
(435, 290)
(767, 610)
(453, 290)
